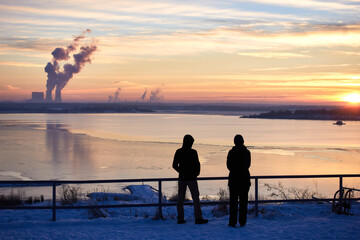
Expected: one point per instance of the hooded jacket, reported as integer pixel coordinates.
(186, 160)
(238, 162)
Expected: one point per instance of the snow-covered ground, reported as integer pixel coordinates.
(275, 221)
(284, 221)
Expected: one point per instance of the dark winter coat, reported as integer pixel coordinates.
(186, 161)
(238, 162)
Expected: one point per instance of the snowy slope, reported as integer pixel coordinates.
(275, 221)
(280, 221)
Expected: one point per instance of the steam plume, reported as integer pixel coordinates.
(155, 95)
(144, 95)
(116, 96)
(59, 79)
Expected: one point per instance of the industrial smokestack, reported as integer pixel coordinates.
(59, 79)
(58, 94)
(48, 95)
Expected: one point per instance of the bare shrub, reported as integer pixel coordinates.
(207, 198)
(175, 197)
(223, 195)
(221, 209)
(29, 200)
(279, 191)
(69, 194)
(260, 197)
(12, 199)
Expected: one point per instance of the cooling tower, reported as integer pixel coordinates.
(48, 95)
(58, 95)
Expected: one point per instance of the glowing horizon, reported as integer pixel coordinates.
(273, 51)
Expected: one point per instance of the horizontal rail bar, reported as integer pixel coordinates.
(307, 176)
(50, 182)
(300, 200)
(354, 189)
(25, 207)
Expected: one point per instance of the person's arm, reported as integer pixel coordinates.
(229, 161)
(176, 162)
(197, 167)
(249, 159)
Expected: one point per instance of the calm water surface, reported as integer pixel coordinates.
(209, 129)
(112, 146)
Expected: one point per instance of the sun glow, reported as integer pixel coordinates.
(352, 98)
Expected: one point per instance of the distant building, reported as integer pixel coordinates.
(37, 96)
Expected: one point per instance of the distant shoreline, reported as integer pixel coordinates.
(348, 114)
(242, 110)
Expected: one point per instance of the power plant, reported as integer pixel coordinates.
(58, 78)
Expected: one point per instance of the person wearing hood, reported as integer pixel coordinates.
(238, 162)
(186, 163)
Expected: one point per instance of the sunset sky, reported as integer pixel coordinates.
(260, 51)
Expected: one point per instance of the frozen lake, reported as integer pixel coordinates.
(120, 146)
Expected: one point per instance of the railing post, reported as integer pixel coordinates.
(54, 201)
(160, 201)
(256, 196)
(341, 193)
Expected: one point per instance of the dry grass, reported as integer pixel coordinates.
(69, 194)
(12, 199)
(279, 191)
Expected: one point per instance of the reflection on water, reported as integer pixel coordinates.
(67, 150)
(56, 142)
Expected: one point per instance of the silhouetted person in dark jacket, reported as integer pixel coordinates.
(238, 163)
(186, 163)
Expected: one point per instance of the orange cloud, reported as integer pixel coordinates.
(10, 87)
(21, 64)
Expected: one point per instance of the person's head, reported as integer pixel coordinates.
(188, 141)
(238, 140)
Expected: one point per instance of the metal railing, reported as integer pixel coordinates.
(160, 203)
